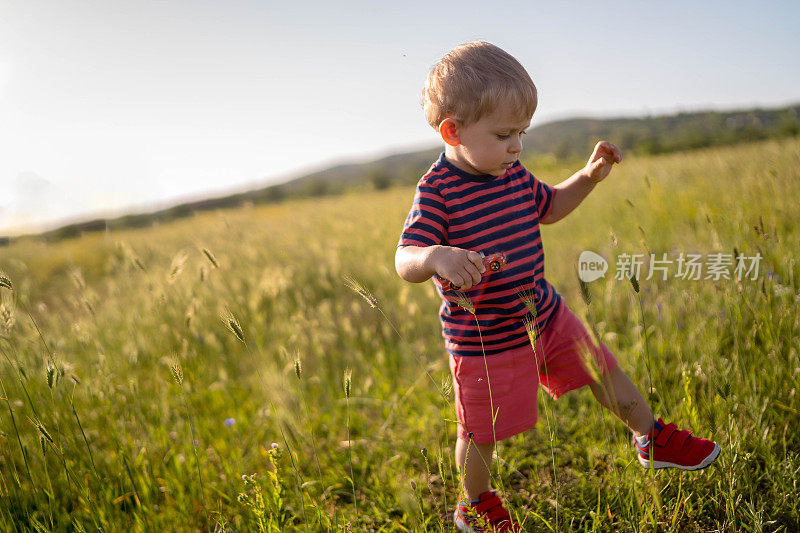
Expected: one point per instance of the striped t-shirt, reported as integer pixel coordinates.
(489, 214)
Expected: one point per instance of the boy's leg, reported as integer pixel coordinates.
(619, 395)
(479, 508)
(474, 461)
(659, 445)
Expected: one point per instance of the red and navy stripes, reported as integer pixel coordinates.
(489, 214)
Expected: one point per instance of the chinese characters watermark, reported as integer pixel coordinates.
(713, 266)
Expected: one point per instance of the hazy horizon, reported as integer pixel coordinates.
(130, 106)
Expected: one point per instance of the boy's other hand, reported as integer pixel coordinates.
(603, 158)
(462, 268)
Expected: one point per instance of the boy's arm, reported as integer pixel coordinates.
(571, 192)
(463, 268)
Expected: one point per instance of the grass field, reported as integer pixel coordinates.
(220, 373)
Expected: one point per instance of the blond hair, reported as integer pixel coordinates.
(474, 80)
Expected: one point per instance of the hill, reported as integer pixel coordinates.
(666, 133)
(559, 141)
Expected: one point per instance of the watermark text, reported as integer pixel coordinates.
(688, 266)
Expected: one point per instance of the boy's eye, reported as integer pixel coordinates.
(504, 136)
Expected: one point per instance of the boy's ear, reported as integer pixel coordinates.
(448, 129)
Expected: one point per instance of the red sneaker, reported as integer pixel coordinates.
(486, 515)
(673, 448)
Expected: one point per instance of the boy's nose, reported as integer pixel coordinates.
(516, 147)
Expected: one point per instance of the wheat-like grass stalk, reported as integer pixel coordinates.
(480, 519)
(43, 444)
(232, 323)
(136, 497)
(177, 375)
(294, 468)
(424, 452)
(364, 293)
(42, 430)
(587, 298)
(594, 369)
(298, 371)
(85, 440)
(52, 364)
(234, 326)
(373, 303)
(634, 282)
(51, 378)
(6, 320)
(346, 383)
(418, 499)
(19, 440)
(176, 267)
(177, 372)
(210, 257)
(651, 392)
(635, 285)
(5, 282)
(586, 294)
(464, 301)
(529, 299)
(53, 374)
(22, 376)
(440, 468)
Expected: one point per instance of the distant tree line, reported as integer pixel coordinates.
(560, 141)
(669, 133)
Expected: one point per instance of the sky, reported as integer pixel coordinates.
(118, 106)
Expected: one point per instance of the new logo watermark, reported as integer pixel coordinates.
(713, 266)
(591, 266)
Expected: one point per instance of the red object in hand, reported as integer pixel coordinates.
(492, 262)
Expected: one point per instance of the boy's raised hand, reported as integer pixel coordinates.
(462, 268)
(603, 158)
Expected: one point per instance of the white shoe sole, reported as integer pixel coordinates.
(664, 464)
(460, 524)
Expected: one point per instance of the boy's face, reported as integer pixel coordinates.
(489, 146)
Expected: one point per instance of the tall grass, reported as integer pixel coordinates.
(723, 356)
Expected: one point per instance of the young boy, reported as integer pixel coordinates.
(478, 206)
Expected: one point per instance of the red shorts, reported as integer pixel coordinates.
(566, 358)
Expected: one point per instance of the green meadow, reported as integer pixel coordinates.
(265, 369)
